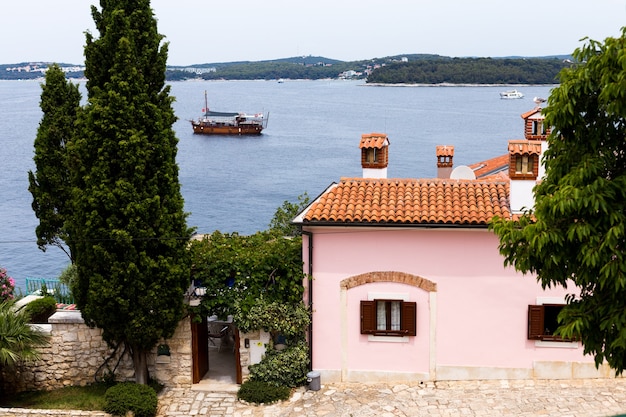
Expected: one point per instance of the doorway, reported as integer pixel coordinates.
(216, 359)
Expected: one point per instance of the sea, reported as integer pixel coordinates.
(235, 184)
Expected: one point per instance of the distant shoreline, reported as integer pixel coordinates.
(456, 85)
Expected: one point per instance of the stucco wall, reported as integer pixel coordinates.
(472, 326)
(75, 352)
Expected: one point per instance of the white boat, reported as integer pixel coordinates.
(511, 94)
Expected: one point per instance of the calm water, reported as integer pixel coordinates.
(235, 184)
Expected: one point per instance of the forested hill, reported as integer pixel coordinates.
(443, 70)
(400, 69)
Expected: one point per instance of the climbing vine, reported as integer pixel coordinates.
(241, 270)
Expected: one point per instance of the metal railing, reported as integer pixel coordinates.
(53, 287)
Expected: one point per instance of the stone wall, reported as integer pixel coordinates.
(77, 355)
(252, 351)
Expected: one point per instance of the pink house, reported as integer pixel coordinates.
(407, 281)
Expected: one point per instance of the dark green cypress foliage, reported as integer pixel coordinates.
(129, 227)
(50, 183)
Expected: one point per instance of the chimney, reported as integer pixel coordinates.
(445, 154)
(374, 155)
(536, 129)
(523, 171)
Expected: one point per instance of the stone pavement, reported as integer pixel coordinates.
(563, 398)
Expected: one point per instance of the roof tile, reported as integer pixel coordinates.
(524, 147)
(411, 201)
(373, 140)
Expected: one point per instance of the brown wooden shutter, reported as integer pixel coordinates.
(409, 318)
(368, 317)
(535, 322)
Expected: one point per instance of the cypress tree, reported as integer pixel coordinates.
(129, 229)
(50, 183)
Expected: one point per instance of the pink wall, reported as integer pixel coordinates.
(481, 306)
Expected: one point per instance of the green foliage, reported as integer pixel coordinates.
(289, 320)
(69, 275)
(128, 226)
(50, 185)
(88, 397)
(286, 367)
(41, 309)
(281, 222)
(18, 340)
(469, 71)
(258, 392)
(238, 270)
(128, 396)
(576, 233)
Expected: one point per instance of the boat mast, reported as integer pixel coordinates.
(206, 105)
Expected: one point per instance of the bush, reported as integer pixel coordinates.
(41, 309)
(259, 392)
(7, 286)
(129, 396)
(286, 368)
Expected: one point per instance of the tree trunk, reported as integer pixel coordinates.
(140, 363)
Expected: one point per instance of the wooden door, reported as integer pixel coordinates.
(200, 349)
(238, 373)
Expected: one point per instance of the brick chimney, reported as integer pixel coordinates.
(525, 168)
(445, 154)
(535, 129)
(374, 155)
(524, 157)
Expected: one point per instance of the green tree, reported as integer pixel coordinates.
(284, 215)
(129, 230)
(50, 184)
(575, 234)
(18, 340)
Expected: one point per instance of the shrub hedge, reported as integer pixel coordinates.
(259, 392)
(129, 396)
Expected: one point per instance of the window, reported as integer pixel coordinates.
(524, 164)
(539, 127)
(543, 322)
(371, 155)
(388, 318)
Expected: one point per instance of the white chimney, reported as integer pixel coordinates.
(523, 171)
(374, 155)
(445, 154)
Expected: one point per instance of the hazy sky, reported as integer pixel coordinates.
(202, 31)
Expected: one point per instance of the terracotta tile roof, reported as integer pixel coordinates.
(445, 150)
(531, 113)
(373, 140)
(494, 169)
(524, 147)
(410, 201)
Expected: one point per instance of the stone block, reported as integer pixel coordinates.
(583, 370)
(69, 337)
(552, 370)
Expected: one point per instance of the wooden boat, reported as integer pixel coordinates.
(228, 123)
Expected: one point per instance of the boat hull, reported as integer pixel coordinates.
(212, 129)
(511, 95)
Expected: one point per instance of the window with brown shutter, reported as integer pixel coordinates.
(543, 322)
(389, 318)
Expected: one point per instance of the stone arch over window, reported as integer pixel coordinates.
(388, 276)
